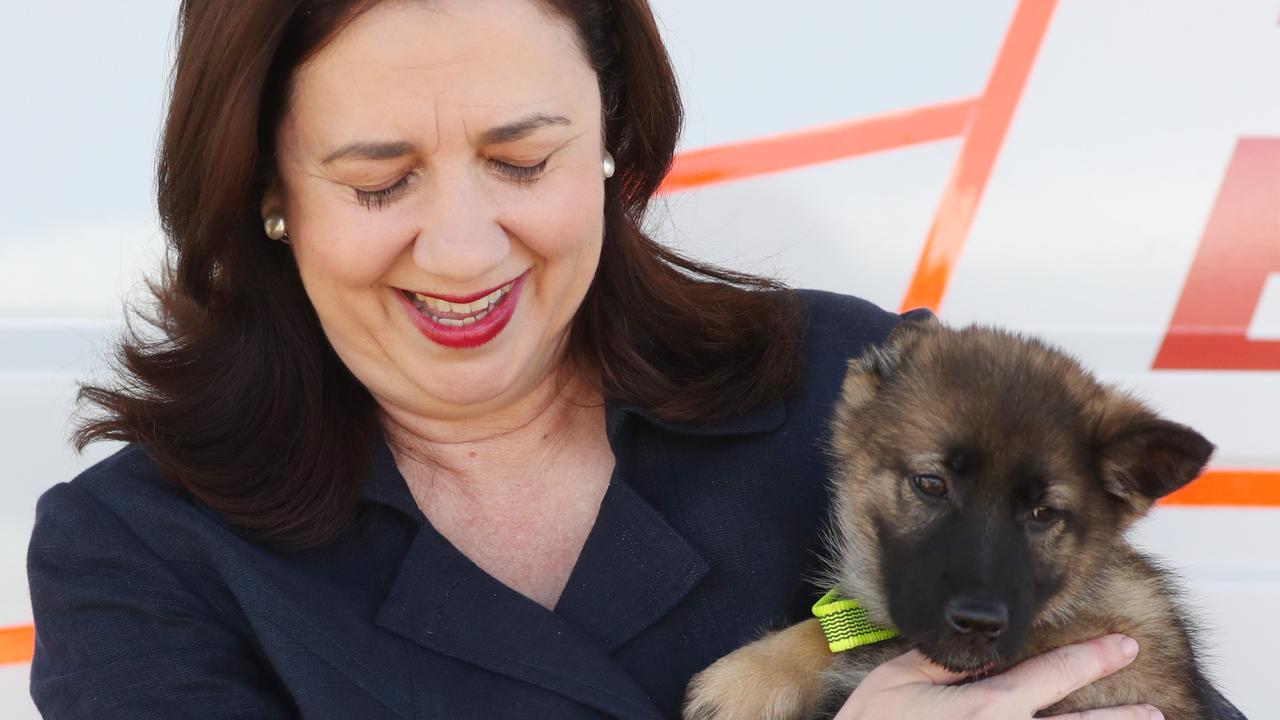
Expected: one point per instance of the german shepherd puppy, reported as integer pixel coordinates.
(982, 486)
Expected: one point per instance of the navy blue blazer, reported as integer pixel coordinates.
(148, 606)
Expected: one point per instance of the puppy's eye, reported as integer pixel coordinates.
(1045, 516)
(930, 485)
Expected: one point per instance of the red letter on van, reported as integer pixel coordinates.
(1240, 248)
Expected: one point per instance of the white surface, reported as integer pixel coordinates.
(1265, 324)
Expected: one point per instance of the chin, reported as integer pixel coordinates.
(468, 393)
(961, 657)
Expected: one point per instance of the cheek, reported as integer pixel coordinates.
(349, 248)
(342, 261)
(1055, 555)
(562, 217)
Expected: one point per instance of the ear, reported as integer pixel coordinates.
(865, 373)
(884, 358)
(913, 325)
(1144, 457)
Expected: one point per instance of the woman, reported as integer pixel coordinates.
(431, 429)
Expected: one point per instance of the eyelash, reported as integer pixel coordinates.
(378, 199)
(523, 175)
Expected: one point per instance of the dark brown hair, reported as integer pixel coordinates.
(242, 401)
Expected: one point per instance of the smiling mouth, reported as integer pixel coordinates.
(457, 314)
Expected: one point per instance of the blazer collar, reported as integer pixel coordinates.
(762, 419)
(383, 482)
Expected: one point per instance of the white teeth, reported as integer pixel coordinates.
(426, 302)
(475, 311)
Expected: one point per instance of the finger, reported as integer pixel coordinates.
(1126, 712)
(1044, 680)
(914, 667)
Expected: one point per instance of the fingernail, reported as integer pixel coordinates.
(1129, 647)
(1155, 714)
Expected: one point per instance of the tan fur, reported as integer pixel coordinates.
(779, 675)
(1128, 599)
(1106, 586)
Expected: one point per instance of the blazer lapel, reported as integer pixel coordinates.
(633, 569)
(444, 602)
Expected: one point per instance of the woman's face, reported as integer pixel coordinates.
(446, 149)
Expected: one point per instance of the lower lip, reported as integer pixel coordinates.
(467, 336)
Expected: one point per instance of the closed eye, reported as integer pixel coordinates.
(378, 199)
(521, 174)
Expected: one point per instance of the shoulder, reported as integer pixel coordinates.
(848, 317)
(838, 327)
(123, 482)
(125, 627)
(124, 497)
(847, 324)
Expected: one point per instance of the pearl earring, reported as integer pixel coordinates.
(273, 224)
(607, 165)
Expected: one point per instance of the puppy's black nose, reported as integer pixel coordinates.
(982, 618)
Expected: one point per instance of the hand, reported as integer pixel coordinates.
(912, 687)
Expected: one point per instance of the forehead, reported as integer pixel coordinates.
(403, 66)
(999, 416)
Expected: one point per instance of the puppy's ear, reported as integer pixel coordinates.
(1142, 456)
(914, 325)
(865, 373)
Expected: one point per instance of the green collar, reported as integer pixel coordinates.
(846, 625)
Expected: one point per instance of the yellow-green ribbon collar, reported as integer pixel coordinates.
(846, 625)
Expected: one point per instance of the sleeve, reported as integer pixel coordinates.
(1219, 707)
(120, 635)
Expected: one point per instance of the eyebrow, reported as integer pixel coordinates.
(493, 136)
(370, 151)
(520, 128)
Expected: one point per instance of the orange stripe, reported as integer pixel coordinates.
(991, 120)
(1258, 488)
(17, 644)
(735, 161)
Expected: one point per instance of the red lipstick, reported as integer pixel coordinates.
(471, 335)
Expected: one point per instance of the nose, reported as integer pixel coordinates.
(981, 618)
(459, 234)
